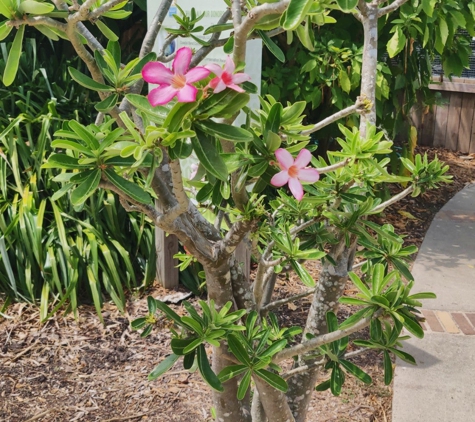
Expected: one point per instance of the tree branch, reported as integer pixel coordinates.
(242, 31)
(96, 13)
(182, 199)
(359, 107)
(324, 339)
(392, 200)
(280, 302)
(233, 237)
(205, 50)
(391, 7)
(38, 20)
(131, 204)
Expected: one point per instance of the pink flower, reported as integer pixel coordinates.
(174, 83)
(225, 78)
(293, 172)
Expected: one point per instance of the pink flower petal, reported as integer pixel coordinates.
(218, 85)
(303, 158)
(229, 66)
(187, 94)
(236, 88)
(308, 175)
(161, 95)
(196, 74)
(280, 179)
(296, 188)
(157, 73)
(239, 78)
(182, 60)
(215, 68)
(284, 158)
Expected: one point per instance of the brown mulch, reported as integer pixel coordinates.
(80, 370)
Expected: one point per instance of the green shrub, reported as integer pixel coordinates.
(50, 251)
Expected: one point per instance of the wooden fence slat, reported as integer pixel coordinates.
(466, 119)
(427, 129)
(453, 121)
(472, 138)
(166, 247)
(440, 125)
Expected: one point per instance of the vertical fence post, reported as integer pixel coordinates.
(166, 247)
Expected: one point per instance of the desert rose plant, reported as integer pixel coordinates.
(266, 192)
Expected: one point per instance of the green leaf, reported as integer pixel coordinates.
(397, 42)
(177, 115)
(423, 295)
(178, 344)
(406, 357)
(336, 380)
(332, 322)
(375, 330)
(303, 274)
(356, 371)
(295, 13)
(388, 368)
(152, 305)
(192, 324)
(244, 385)
(130, 189)
(4, 29)
(274, 348)
(84, 134)
(86, 188)
(192, 346)
(206, 372)
(163, 367)
(71, 145)
(189, 360)
(63, 161)
(207, 152)
(345, 82)
(272, 46)
(325, 385)
(107, 104)
(273, 380)
(291, 114)
(138, 323)
(231, 371)
(13, 60)
(228, 132)
(238, 350)
(353, 319)
(413, 326)
(35, 7)
(428, 6)
(88, 82)
(106, 31)
(347, 5)
(170, 313)
(360, 285)
(273, 119)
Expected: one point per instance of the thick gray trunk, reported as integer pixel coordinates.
(273, 402)
(331, 284)
(228, 408)
(370, 61)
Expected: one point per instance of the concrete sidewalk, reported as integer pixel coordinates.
(441, 388)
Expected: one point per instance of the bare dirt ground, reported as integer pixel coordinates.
(80, 370)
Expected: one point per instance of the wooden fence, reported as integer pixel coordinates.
(452, 124)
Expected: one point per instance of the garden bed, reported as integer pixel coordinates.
(68, 370)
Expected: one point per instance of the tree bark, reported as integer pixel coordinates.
(329, 289)
(369, 19)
